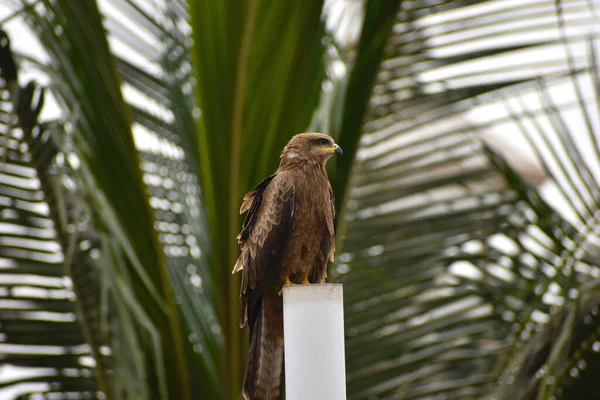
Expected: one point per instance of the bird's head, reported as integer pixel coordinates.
(310, 148)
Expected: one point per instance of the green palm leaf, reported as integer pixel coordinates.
(166, 114)
(255, 90)
(108, 128)
(40, 328)
(438, 238)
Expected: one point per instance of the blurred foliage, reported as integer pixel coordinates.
(468, 242)
(255, 90)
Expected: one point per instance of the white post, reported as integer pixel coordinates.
(313, 326)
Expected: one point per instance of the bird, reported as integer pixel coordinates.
(287, 238)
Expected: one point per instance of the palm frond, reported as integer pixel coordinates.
(147, 272)
(258, 68)
(42, 339)
(447, 249)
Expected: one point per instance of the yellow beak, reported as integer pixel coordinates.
(336, 149)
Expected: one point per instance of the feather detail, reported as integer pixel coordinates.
(252, 203)
(264, 233)
(263, 379)
(331, 219)
(248, 199)
(238, 265)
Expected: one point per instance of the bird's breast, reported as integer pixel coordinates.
(309, 228)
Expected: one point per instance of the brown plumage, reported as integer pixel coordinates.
(288, 236)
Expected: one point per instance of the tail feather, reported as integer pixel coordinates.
(264, 372)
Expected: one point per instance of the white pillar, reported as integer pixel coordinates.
(313, 325)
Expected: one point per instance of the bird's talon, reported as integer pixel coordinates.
(286, 283)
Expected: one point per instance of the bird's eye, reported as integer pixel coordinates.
(324, 142)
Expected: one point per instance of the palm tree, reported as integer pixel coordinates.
(470, 267)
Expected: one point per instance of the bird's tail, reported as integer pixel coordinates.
(264, 372)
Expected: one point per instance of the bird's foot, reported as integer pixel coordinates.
(286, 283)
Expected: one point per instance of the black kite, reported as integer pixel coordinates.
(288, 237)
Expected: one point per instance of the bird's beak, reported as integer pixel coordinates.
(337, 150)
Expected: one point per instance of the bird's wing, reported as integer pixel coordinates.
(331, 225)
(252, 201)
(264, 232)
(332, 206)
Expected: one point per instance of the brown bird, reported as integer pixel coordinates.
(287, 238)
